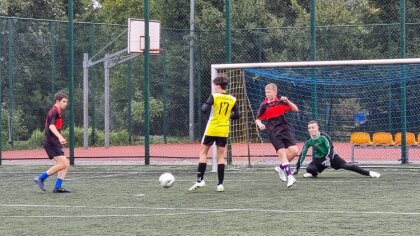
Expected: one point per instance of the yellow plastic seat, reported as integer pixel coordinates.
(383, 139)
(360, 138)
(410, 138)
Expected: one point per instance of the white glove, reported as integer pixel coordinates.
(327, 162)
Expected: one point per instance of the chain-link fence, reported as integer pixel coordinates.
(34, 65)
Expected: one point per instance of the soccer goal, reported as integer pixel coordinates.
(343, 96)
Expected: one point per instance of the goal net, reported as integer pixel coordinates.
(343, 96)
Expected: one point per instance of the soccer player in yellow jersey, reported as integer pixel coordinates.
(223, 108)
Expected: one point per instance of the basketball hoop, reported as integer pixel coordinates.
(136, 36)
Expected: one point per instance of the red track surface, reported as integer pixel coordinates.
(189, 151)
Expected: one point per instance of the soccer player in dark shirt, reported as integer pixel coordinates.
(273, 111)
(324, 156)
(53, 144)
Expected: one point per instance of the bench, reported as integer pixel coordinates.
(381, 140)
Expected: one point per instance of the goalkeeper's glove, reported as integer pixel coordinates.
(327, 162)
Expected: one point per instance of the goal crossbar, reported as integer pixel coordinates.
(316, 63)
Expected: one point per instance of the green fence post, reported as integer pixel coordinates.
(404, 156)
(165, 85)
(389, 55)
(129, 99)
(11, 73)
(313, 58)
(1, 88)
(146, 84)
(228, 60)
(260, 48)
(403, 41)
(70, 35)
(191, 123)
(228, 34)
(92, 42)
(52, 62)
(199, 87)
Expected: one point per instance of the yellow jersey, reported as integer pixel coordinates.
(218, 124)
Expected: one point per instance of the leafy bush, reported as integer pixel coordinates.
(20, 132)
(78, 136)
(99, 137)
(36, 139)
(119, 137)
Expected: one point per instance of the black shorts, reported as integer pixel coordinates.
(209, 140)
(282, 140)
(336, 162)
(53, 150)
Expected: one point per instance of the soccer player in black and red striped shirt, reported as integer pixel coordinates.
(53, 145)
(273, 111)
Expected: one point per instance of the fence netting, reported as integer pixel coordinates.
(34, 66)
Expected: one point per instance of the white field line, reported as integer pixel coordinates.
(194, 210)
(112, 215)
(318, 180)
(100, 176)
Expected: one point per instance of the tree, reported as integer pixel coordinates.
(45, 9)
(339, 34)
(388, 11)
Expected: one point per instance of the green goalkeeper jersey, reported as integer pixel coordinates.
(322, 146)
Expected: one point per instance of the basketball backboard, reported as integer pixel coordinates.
(136, 36)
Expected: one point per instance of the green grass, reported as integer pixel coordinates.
(127, 200)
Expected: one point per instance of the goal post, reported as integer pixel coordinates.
(335, 93)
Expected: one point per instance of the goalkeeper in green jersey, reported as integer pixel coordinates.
(324, 156)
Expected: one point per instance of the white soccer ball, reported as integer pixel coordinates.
(167, 180)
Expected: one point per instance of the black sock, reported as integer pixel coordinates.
(355, 168)
(200, 171)
(221, 172)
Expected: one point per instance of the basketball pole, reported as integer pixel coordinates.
(109, 61)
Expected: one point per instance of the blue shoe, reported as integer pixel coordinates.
(40, 184)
